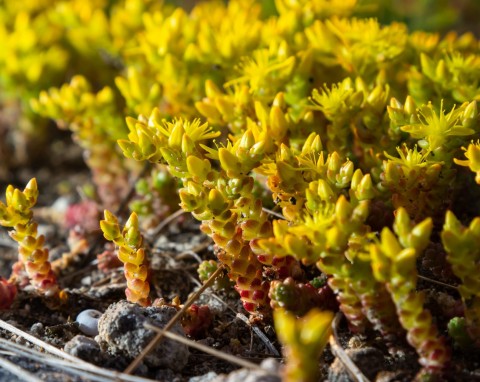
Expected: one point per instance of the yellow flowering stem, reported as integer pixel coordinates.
(472, 153)
(394, 263)
(16, 213)
(463, 253)
(131, 253)
(304, 340)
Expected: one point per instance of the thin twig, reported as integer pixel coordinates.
(186, 254)
(437, 282)
(59, 353)
(81, 368)
(202, 245)
(340, 353)
(154, 232)
(66, 366)
(227, 357)
(273, 213)
(155, 341)
(18, 371)
(260, 334)
(38, 342)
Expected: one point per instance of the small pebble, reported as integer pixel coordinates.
(247, 375)
(37, 329)
(209, 377)
(84, 348)
(88, 322)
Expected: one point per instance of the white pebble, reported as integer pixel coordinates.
(88, 321)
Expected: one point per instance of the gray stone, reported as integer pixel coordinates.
(368, 359)
(209, 377)
(167, 375)
(122, 332)
(37, 329)
(7, 376)
(83, 347)
(248, 375)
(216, 306)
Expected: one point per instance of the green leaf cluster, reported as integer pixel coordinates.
(131, 253)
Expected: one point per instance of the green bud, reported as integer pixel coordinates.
(470, 115)
(420, 235)
(146, 145)
(19, 201)
(229, 162)
(345, 174)
(211, 90)
(334, 164)
(395, 104)
(380, 264)
(130, 149)
(198, 168)
(356, 179)
(343, 209)
(325, 191)
(313, 144)
(176, 135)
(404, 263)
(457, 329)
(226, 108)
(410, 106)
(441, 71)
(216, 202)
(278, 123)
(110, 227)
(365, 190)
(132, 221)
(188, 145)
(402, 226)
(279, 101)
(261, 112)
(31, 191)
(390, 245)
(247, 141)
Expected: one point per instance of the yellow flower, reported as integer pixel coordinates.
(472, 153)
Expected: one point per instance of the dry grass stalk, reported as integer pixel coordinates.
(18, 371)
(62, 360)
(340, 353)
(227, 357)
